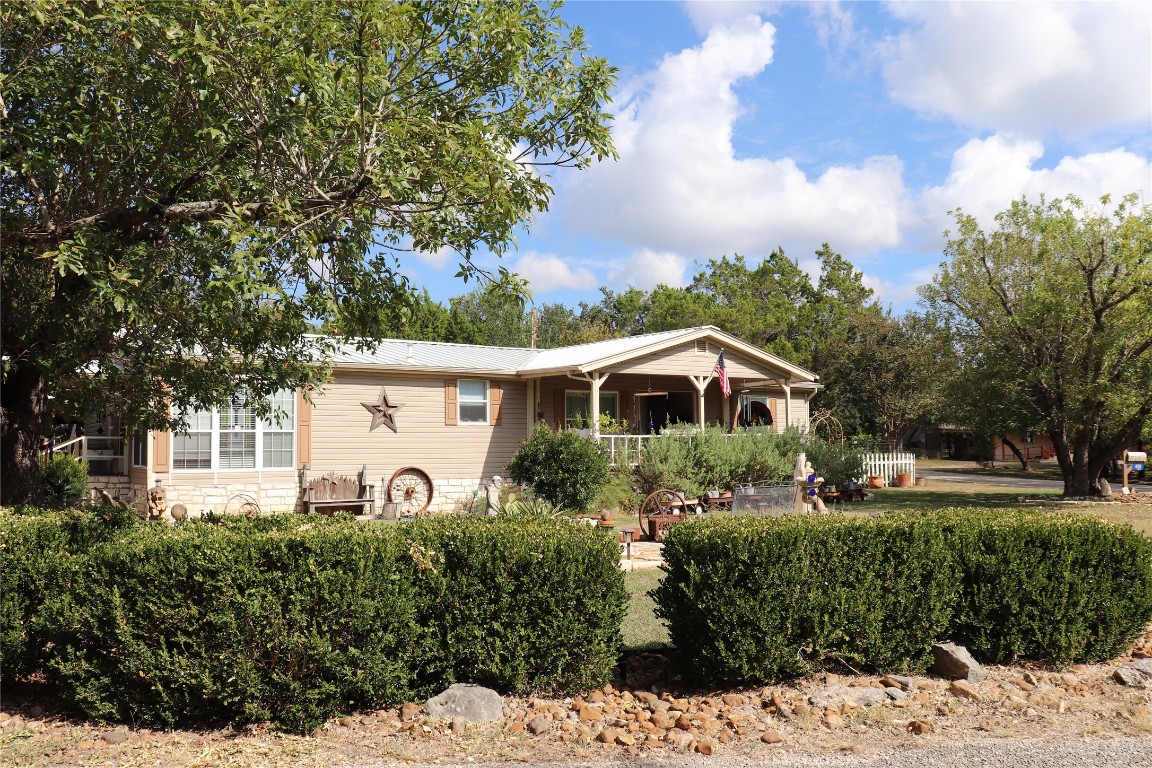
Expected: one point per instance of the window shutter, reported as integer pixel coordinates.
(559, 405)
(450, 402)
(303, 430)
(496, 398)
(772, 401)
(162, 451)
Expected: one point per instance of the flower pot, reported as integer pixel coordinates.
(875, 481)
(904, 480)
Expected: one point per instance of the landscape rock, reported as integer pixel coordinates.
(1137, 674)
(837, 697)
(896, 681)
(963, 690)
(955, 663)
(771, 737)
(118, 736)
(895, 694)
(920, 727)
(409, 710)
(474, 703)
(539, 725)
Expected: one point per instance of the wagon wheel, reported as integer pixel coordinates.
(411, 488)
(660, 502)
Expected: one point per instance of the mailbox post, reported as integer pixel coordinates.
(1133, 461)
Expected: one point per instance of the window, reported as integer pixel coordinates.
(140, 449)
(577, 412)
(235, 438)
(755, 410)
(473, 401)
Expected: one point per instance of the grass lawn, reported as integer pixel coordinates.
(642, 630)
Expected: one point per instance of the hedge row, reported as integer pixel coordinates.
(750, 600)
(295, 620)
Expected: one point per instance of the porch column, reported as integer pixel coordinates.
(701, 383)
(595, 379)
(533, 394)
(787, 402)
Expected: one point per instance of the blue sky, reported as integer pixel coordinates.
(745, 126)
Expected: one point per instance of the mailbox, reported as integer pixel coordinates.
(1134, 461)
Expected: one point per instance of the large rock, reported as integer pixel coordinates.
(1137, 674)
(474, 703)
(837, 697)
(955, 663)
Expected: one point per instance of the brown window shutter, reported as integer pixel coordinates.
(772, 406)
(450, 402)
(303, 430)
(162, 450)
(559, 393)
(496, 396)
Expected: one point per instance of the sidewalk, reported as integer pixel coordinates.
(646, 555)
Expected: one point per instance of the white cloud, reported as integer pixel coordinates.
(706, 14)
(1038, 68)
(546, 272)
(988, 174)
(645, 269)
(437, 259)
(902, 292)
(679, 187)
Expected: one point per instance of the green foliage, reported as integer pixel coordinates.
(562, 467)
(839, 464)
(296, 620)
(749, 600)
(1057, 588)
(189, 186)
(619, 494)
(715, 459)
(1049, 315)
(531, 508)
(64, 477)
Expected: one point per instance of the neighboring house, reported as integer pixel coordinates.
(458, 412)
(948, 441)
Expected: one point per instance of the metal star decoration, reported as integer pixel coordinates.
(383, 412)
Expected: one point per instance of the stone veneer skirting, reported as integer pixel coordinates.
(448, 495)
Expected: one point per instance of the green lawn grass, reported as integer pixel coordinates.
(642, 630)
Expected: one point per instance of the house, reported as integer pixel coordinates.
(457, 413)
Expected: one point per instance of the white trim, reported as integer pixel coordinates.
(214, 446)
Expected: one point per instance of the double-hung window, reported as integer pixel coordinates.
(473, 401)
(234, 437)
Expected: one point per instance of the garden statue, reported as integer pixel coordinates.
(807, 487)
(157, 503)
(492, 494)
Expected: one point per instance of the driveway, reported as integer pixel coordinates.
(1023, 483)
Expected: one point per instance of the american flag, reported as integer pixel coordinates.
(721, 371)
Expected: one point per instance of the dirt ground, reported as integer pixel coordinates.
(631, 722)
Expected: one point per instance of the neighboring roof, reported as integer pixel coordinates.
(518, 361)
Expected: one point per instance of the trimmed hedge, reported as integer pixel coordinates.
(297, 619)
(751, 600)
(1060, 588)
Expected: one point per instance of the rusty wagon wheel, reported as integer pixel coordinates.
(411, 488)
(661, 502)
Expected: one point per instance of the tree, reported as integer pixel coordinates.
(188, 186)
(1054, 304)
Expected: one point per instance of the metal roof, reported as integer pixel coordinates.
(515, 361)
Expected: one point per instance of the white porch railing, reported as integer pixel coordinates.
(888, 465)
(624, 449)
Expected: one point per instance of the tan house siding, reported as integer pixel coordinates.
(456, 456)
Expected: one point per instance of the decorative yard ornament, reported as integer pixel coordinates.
(807, 487)
(383, 412)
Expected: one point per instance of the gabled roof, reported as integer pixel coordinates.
(432, 356)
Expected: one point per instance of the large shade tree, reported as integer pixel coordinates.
(1054, 305)
(188, 187)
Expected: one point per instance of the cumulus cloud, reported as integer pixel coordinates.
(1039, 68)
(901, 292)
(988, 174)
(706, 14)
(437, 259)
(645, 269)
(546, 272)
(679, 186)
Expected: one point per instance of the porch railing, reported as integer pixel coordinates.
(624, 450)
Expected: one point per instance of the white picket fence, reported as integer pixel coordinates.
(888, 465)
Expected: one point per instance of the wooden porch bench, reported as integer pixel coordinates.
(333, 492)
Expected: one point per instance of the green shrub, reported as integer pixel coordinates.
(618, 494)
(714, 459)
(749, 600)
(33, 546)
(293, 619)
(562, 467)
(839, 464)
(1059, 588)
(64, 477)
